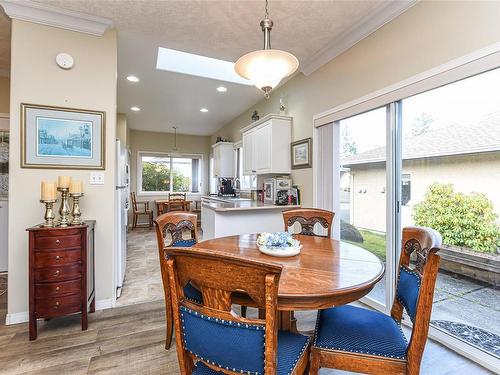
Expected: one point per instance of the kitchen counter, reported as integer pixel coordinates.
(238, 204)
(222, 217)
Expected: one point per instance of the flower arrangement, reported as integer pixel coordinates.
(277, 240)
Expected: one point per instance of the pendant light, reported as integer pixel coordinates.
(267, 67)
(175, 139)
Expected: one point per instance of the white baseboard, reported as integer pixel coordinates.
(104, 304)
(23, 317)
(16, 318)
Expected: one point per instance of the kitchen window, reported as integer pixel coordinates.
(160, 173)
(246, 182)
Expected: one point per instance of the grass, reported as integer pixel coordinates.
(373, 242)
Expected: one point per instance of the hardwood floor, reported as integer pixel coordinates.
(130, 340)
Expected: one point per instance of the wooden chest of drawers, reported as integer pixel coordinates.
(61, 273)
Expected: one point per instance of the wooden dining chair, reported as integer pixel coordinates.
(211, 338)
(170, 230)
(144, 211)
(177, 202)
(308, 218)
(350, 338)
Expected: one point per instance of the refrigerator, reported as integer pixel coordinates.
(122, 204)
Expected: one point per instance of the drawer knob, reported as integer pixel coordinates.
(58, 242)
(57, 289)
(56, 305)
(57, 273)
(58, 257)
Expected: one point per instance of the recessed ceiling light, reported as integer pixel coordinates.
(203, 110)
(132, 78)
(221, 89)
(135, 109)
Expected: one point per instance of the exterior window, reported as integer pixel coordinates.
(405, 189)
(162, 173)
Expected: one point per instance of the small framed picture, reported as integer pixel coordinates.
(56, 137)
(302, 153)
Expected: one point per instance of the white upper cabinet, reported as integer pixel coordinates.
(223, 159)
(266, 145)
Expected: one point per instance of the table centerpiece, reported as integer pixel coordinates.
(279, 244)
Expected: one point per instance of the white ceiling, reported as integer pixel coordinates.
(219, 29)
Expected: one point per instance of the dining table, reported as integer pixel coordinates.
(324, 274)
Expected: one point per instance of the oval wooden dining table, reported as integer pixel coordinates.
(326, 273)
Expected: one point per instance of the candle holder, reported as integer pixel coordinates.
(49, 213)
(76, 213)
(64, 208)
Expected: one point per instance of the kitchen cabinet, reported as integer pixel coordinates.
(223, 159)
(266, 146)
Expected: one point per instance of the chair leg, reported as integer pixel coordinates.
(244, 311)
(170, 326)
(314, 362)
(134, 224)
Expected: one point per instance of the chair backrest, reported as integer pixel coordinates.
(417, 272)
(134, 200)
(175, 224)
(177, 201)
(211, 332)
(307, 218)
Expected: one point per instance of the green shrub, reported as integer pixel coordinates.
(463, 220)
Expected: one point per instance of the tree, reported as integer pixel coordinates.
(462, 219)
(421, 124)
(349, 146)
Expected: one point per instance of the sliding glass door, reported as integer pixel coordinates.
(363, 181)
(451, 182)
(432, 160)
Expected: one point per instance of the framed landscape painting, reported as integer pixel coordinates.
(69, 138)
(302, 153)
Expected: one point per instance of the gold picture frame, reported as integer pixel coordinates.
(62, 138)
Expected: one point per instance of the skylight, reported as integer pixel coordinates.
(196, 65)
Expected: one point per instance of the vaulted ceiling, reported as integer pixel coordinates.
(219, 29)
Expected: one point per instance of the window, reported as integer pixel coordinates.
(405, 189)
(163, 173)
(246, 182)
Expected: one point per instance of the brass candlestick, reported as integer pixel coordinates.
(64, 208)
(49, 213)
(76, 213)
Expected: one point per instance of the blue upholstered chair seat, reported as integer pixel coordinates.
(291, 347)
(356, 330)
(184, 243)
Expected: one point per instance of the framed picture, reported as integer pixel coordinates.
(302, 153)
(67, 138)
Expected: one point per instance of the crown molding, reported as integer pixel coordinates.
(360, 30)
(48, 15)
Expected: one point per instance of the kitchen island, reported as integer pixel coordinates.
(222, 217)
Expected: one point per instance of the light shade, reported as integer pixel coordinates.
(266, 68)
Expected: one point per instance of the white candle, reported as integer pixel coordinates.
(48, 191)
(63, 181)
(76, 187)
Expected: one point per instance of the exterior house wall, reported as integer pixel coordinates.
(429, 34)
(468, 173)
(91, 84)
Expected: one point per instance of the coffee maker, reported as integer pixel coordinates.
(226, 187)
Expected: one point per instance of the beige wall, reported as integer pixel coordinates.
(468, 173)
(122, 129)
(429, 34)
(4, 94)
(91, 84)
(164, 142)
